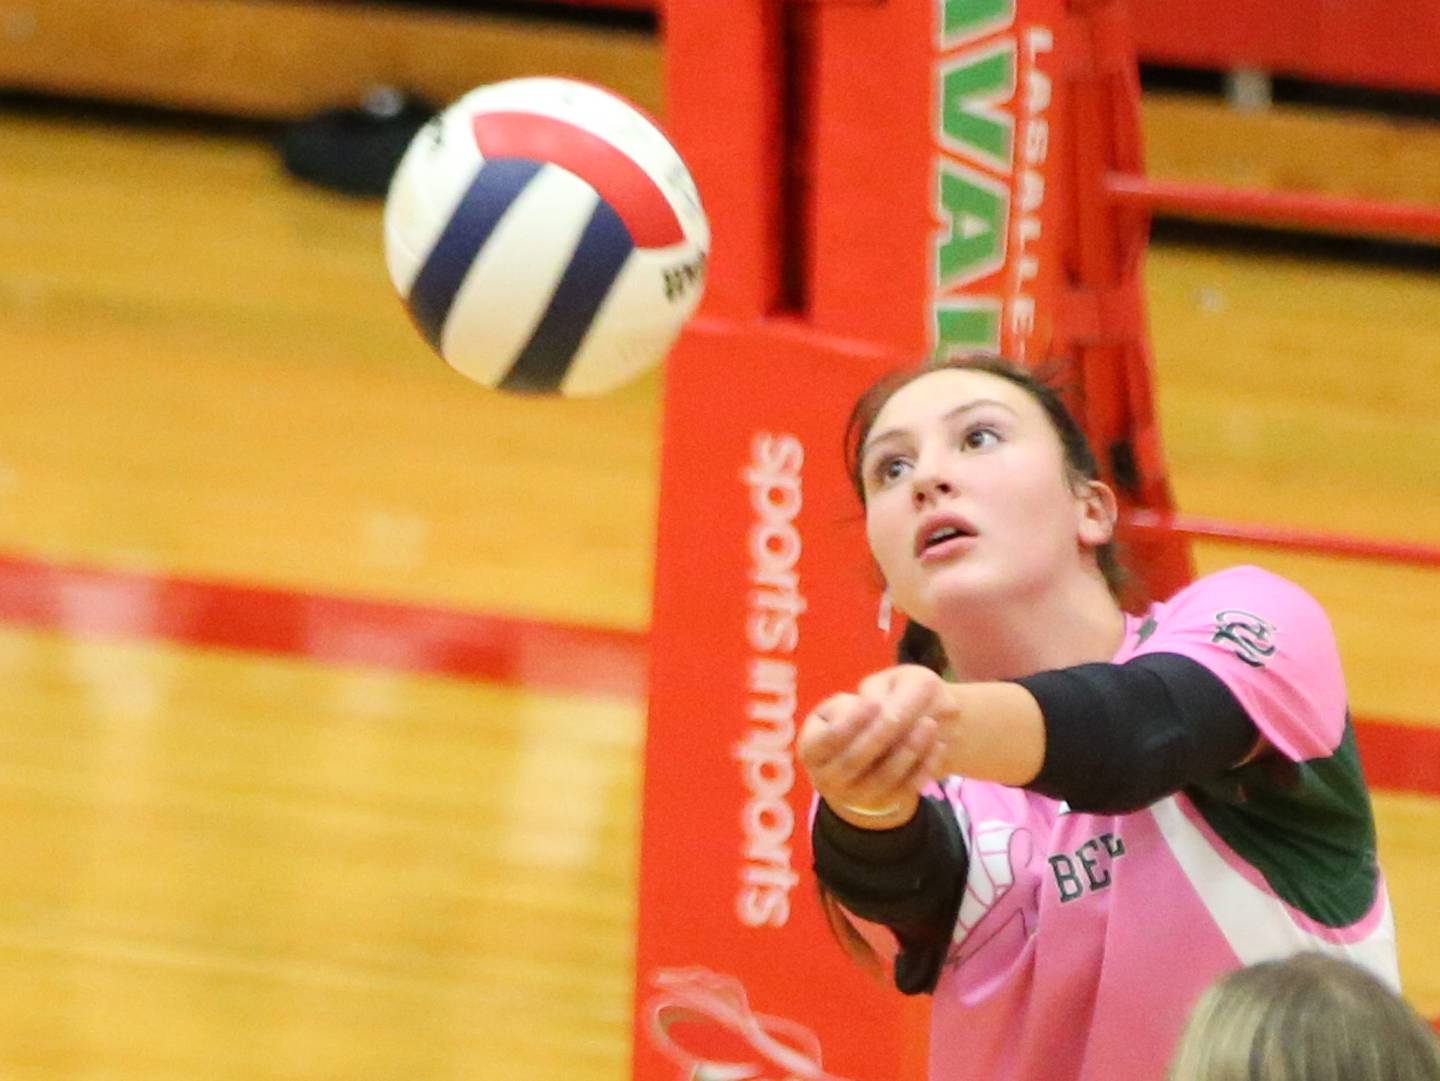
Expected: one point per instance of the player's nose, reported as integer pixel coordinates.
(931, 480)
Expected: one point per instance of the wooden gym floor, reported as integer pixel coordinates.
(269, 830)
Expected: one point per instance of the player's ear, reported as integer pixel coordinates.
(1096, 510)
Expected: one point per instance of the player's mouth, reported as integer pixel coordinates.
(943, 535)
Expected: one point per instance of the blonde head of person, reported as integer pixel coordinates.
(1305, 1018)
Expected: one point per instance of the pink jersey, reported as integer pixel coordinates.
(1083, 940)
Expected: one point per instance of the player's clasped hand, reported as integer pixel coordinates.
(869, 754)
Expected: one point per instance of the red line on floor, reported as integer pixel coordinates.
(87, 601)
(1399, 757)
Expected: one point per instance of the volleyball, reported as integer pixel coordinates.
(546, 237)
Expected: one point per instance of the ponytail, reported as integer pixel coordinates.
(920, 645)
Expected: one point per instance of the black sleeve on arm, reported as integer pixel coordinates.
(909, 878)
(1118, 737)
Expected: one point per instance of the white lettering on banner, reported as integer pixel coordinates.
(772, 631)
(1035, 143)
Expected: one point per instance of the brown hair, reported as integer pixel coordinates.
(1305, 1018)
(918, 644)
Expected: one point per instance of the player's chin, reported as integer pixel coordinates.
(956, 588)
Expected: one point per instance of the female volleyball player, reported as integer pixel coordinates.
(1065, 821)
(1305, 1018)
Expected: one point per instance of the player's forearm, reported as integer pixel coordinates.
(993, 732)
(1102, 737)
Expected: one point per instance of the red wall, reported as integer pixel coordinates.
(1388, 44)
(1385, 44)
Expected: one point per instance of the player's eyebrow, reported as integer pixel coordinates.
(891, 433)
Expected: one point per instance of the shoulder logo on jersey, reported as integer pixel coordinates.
(1249, 637)
(1146, 630)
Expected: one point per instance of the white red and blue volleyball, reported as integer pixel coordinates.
(546, 237)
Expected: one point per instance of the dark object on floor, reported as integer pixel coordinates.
(355, 150)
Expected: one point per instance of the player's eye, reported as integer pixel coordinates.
(889, 468)
(979, 437)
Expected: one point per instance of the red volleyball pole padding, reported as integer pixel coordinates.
(882, 179)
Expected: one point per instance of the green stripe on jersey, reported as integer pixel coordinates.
(1307, 827)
